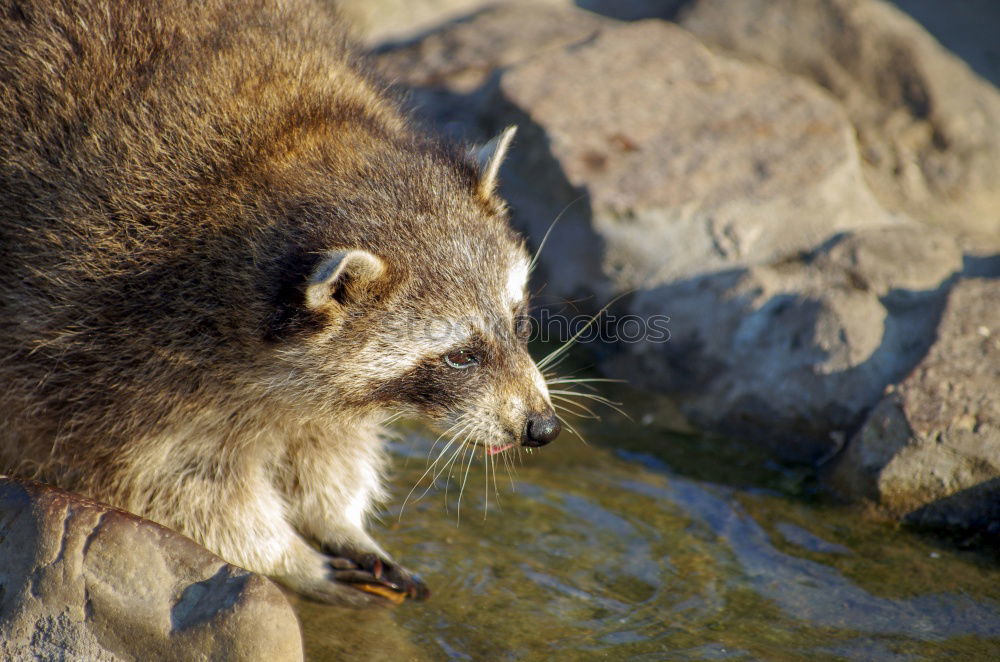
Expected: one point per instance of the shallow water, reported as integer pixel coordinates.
(649, 544)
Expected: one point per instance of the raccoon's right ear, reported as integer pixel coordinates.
(490, 156)
(341, 277)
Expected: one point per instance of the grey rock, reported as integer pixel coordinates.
(930, 450)
(929, 127)
(80, 580)
(794, 353)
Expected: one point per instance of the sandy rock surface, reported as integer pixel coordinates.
(930, 450)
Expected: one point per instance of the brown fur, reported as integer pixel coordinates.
(172, 174)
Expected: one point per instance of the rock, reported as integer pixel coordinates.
(82, 580)
(388, 21)
(632, 10)
(929, 128)
(968, 28)
(793, 354)
(930, 450)
(451, 73)
(681, 162)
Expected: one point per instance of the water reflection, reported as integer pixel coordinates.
(612, 555)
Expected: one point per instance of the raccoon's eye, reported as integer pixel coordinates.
(461, 359)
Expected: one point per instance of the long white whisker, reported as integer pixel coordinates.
(597, 398)
(461, 491)
(587, 411)
(576, 336)
(572, 429)
(545, 238)
(430, 467)
(510, 471)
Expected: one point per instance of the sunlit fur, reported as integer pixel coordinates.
(171, 175)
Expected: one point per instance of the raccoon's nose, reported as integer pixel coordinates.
(540, 429)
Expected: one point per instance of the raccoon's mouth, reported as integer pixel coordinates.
(496, 450)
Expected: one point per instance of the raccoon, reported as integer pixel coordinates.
(227, 259)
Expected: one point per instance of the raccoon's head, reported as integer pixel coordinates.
(424, 310)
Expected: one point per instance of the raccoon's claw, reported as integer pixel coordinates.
(374, 575)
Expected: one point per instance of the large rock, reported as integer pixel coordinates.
(83, 581)
(792, 354)
(451, 73)
(930, 450)
(929, 127)
(681, 162)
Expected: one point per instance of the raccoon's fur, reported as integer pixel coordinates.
(225, 259)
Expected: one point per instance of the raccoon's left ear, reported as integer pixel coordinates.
(342, 277)
(490, 156)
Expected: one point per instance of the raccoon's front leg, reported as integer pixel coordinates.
(332, 487)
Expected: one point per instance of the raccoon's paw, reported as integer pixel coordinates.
(376, 576)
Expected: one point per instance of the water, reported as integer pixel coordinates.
(650, 544)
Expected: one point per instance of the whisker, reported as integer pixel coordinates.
(431, 466)
(545, 362)
(572, 429)
(496, 488)
(511, 470)
(486, 459)
(587, 411)
(461, 491)
(545, 238)
(431, 450)
(597, 398)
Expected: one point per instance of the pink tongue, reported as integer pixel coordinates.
(493, 450)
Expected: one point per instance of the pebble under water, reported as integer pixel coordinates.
(650, 544)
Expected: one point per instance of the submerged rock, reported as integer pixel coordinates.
(930, 450)
(82, 580)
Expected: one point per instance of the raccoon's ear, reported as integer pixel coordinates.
(490, 156)
(343, 276)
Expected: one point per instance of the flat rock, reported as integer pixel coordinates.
(930, 450)
(80, 580)
(929, 127)
(681, 162)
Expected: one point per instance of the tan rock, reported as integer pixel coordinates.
(687, 163)
(382, 21)
(930, 450)
(929, 127)
(81, 580)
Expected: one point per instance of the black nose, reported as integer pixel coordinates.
(540, 430)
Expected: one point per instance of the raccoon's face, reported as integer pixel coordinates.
(441, 325)
(454, 353)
